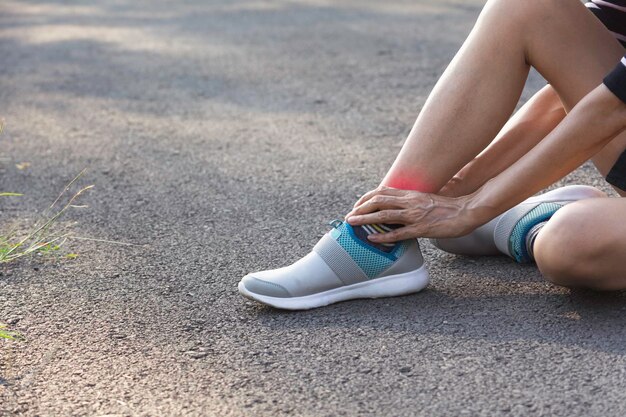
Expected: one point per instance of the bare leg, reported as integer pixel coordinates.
(583, 245)
(477, 93)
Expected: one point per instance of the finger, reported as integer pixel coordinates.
(402, 233)
(385, 216)
(382, 190)
(367, 196)
(378, 203)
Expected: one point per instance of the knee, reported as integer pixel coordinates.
(556, 265)
(525, 12)
(565, 251)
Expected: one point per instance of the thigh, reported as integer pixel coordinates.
(584, 245)
(614, 20)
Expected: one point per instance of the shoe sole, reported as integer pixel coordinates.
(390, 286)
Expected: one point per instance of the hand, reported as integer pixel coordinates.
(422, 214)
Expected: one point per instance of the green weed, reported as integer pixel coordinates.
(45, 237)
(9, 334)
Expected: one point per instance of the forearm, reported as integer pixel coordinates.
(597, 119)
(534, 121)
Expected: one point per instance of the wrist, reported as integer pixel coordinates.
(480, 206)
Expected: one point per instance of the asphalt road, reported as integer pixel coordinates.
(221, 137)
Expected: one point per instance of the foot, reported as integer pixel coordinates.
(503, 235)
(340, 267)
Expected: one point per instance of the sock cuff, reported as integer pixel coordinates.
(530, 238)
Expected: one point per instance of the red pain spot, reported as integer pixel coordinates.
(408, 181)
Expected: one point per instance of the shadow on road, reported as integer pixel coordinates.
(585, 319)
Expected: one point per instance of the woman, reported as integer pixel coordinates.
(451, 176)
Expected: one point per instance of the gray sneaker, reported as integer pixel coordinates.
(506, 233)
(340, 267)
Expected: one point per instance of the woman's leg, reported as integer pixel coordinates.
(479, 90)
(584, 244)
(467, 108)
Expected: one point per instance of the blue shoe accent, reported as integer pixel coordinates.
(371, 260)
(517, 240)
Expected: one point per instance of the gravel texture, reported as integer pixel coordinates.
(221, 137)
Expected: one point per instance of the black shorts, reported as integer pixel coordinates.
(612, 15)
(617, 175)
